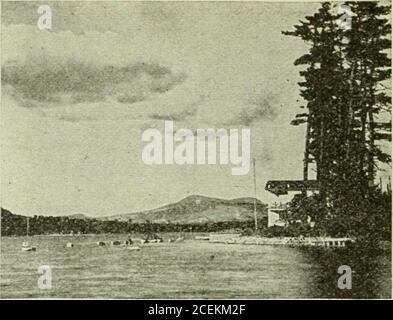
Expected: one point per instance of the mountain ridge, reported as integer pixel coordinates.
(197, 209)
(194, 209)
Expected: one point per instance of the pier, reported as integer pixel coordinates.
(281, 241)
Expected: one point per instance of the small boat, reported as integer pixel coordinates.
(128, 242)
(152, 238)
(135, 248)
(25, 245)
(180, 239)
(152, 241)
(202, 238)
(29, 249)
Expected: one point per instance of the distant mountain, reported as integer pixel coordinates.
(203, 214)
(78, 216)
(194, 209)
(198, 209)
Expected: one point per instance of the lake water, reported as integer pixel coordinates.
(187, 270)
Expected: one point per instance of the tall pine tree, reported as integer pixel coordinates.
(345, 94)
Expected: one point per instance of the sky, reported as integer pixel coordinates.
(77, 98)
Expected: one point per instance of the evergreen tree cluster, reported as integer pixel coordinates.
(346, 77)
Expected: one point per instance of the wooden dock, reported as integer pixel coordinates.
(281, 241)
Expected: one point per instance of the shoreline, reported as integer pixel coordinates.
(282, 241)
(227, 238)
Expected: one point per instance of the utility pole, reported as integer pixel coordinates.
(255, 196)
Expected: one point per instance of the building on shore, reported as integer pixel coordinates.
(277, 212)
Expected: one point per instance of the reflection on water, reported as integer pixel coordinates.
(191, 269)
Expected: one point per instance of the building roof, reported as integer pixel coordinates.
(281, 187)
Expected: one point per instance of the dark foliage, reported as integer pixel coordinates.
(16, 225)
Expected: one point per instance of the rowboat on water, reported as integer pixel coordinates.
(180, 239)
(27, 247)
(202, 238)
(152, 238)
(134, 248)
(152, 241)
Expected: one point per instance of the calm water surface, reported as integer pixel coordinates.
(189, 270)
